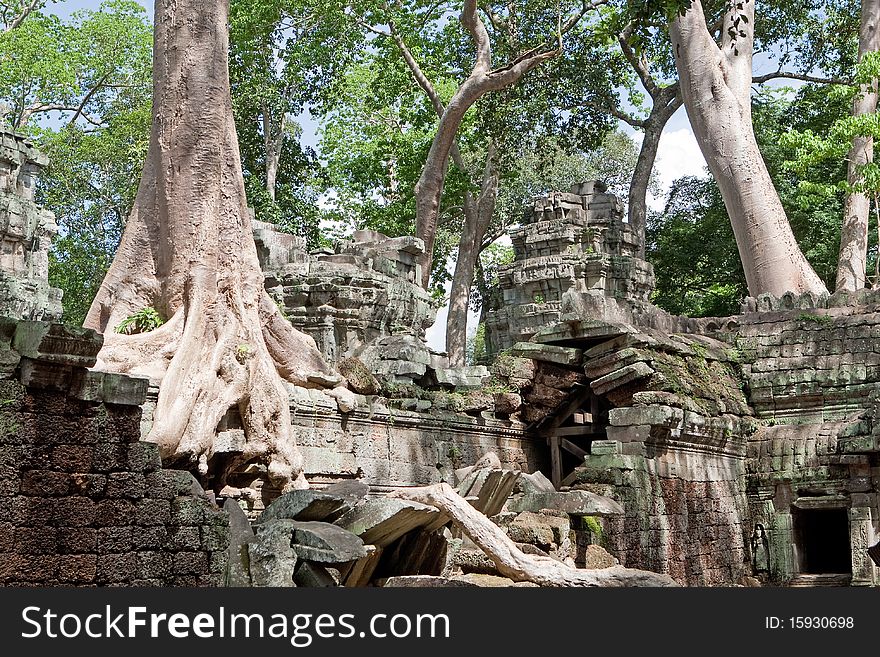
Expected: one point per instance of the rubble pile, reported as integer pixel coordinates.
(343, 536)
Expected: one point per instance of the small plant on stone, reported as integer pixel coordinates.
(143, 321)
(821, 320)
(243, 352)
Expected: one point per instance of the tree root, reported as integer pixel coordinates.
(511, 561)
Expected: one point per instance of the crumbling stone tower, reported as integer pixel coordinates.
(26, 231)
(574, 245)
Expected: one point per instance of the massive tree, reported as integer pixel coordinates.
(806, 39)
(852, 260)
(483, 79)
(188, 252)
(493, 129)
(716, 82)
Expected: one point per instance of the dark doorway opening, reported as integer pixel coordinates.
(822, 537)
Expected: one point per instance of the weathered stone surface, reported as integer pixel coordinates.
(313, 575)
(307, 505)
(576, 502)
(546, 531)
(548, 353)
(271, 558)
(425, 581)
(507, 403)
(26, 233)
(346, 400)
(240, 535)
(599, 557)
(348, 488)
(462, 377)
(359, 378)
(326, 543)
(348, 300)
(535, 482)
(380, 522)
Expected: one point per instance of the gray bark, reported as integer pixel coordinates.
(663, 109)
(853, 256)
(481, 81)
(478, 215)
(716, 85)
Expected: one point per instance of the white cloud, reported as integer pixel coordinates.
(678, 155)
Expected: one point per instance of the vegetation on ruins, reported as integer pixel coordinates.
(438, 118)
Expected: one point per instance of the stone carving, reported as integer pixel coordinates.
(575, 242)
(348, 298)
(26, 231)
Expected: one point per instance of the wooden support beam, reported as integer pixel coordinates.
(555, 462)
(583, 430)
(571, 448)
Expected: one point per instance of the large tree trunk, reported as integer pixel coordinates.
(478, 215)
(716, 88)
(653, 127)
(188, 251)
(511, 561)
(481, 81)
(853, 257)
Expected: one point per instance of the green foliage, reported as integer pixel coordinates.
(594, 526)
(143, 321)
(476, 346)
(81, 89)
(821, 320)
(285, 56)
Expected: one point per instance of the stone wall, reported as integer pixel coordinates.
(812, 367)
(348, 298)
(83, 501)
(386, 443)
(570, 242)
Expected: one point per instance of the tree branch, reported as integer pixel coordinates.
(790, 75)
(25, 12)
(428, 87)
(87, 98)
(475, 27)
(639, 64)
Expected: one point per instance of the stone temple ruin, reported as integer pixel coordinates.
(720, 452)
(26, 231)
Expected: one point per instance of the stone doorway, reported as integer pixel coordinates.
(822, 541)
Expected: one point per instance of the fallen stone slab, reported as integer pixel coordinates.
(548, 353)
(597, 557)
(271, 559)
(382, 521)
(575, 502)
(359, 573)
(495, 490)
(348, 488)
(313, 575)
(325, 543)
(462, 377)
(308, 505)
(240, 535)
(535, 482)
(423, 581)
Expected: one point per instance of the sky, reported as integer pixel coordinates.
(678, 155)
